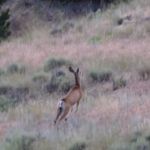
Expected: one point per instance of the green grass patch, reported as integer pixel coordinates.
(16, 68)
(144, 73)
(6, 103)
(2, 72)
(19, 142)
(119, 83)
(78, 146)
(95, 39)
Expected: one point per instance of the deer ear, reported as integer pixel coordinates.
(71, 69)
(77, 70)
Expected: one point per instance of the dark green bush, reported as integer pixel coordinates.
(144, 73)
(119, 83)
(2, 1)
(2, 72)
(20, 143)
(100, 76)
(15, 68)
(58, 82)
(4, 24)
(78, 146)
(6, 103)
(55, 63)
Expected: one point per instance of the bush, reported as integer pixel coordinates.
(78, 146)
(2, 72)
(40, 78)
(119, 83)
(144, 73)
(58, 82)
(137, 141)
(6, 103)
(20, 143)
(2, 1)
(100, 76)
(15, 68)
(55, 63)
(4, 24)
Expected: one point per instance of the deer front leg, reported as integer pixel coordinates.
(59, 111)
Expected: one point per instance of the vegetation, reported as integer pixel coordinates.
(15, 68)
(119, 83)
(78, 146)
(144, 73)
(20, 143)
(109, 44)
(100, 76)
(6, 103)
(4, 22)
(58, 82)
(55, 63)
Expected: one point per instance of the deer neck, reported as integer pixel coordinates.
(77, 82)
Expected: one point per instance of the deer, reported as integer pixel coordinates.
(73, 97)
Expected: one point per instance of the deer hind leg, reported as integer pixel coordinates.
(64, 114)
(77, 105)
(59, 112)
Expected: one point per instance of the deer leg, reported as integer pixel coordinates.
(77, 105)
(59, 111)
(64, 114)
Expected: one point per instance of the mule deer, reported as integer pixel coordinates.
(70, 99)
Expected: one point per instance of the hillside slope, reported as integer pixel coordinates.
(112, 50)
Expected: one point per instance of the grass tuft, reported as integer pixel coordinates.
(144, 73)
(21, 142)
(119, 83)
(78, 146)
(6, 103)
(16, 68)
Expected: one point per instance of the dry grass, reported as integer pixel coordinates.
(95, 41)
(100, 121)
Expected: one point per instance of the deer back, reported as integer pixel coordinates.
(73, 96)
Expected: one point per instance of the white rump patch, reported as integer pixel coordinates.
(61, 104)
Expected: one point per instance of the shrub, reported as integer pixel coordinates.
(15, 68)
(40, 78)
(6, 103)
(119, 83)
(2, 1)
(20, 143)
(55, 63)
(78, 146)
(100, 76)
(58, 82)
(144, 73)
(2, 72)
(4, 24)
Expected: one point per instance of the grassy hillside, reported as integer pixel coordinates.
(111, 48)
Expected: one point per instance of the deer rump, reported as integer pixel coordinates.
(61, 106)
